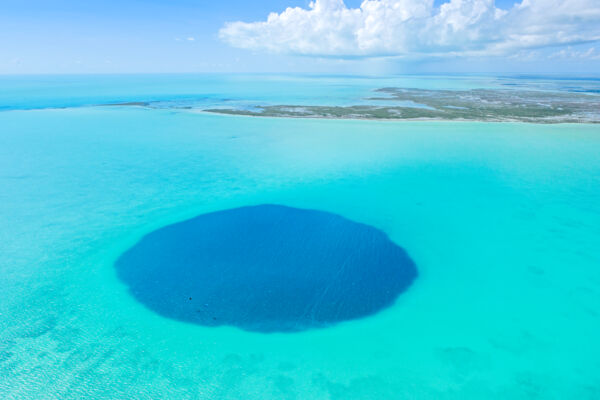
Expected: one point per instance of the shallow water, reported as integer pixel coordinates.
(502, 220)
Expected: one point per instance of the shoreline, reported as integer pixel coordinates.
(308, 117)
(348, 118)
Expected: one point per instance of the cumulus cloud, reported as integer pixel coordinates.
(418, 28)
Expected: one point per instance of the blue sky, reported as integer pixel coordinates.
(74, 36)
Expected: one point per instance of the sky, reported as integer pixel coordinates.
(299, 36)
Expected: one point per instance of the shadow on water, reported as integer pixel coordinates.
(266, 268)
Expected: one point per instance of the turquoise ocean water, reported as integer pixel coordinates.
(501, 219)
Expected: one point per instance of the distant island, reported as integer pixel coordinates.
(468, 105)
(493, 105)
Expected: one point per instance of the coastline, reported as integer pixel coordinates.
(360, 118)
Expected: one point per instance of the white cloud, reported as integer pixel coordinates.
(570, 53)
(416, 28)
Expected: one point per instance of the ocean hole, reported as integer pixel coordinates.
(266, 268)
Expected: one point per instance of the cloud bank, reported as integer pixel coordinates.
(416, 28)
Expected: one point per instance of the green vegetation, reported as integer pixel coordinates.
(471, 105)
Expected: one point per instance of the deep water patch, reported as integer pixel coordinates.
(266, 268)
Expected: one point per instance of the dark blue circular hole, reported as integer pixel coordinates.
(266, 268)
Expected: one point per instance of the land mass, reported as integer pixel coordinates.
(460, 105)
